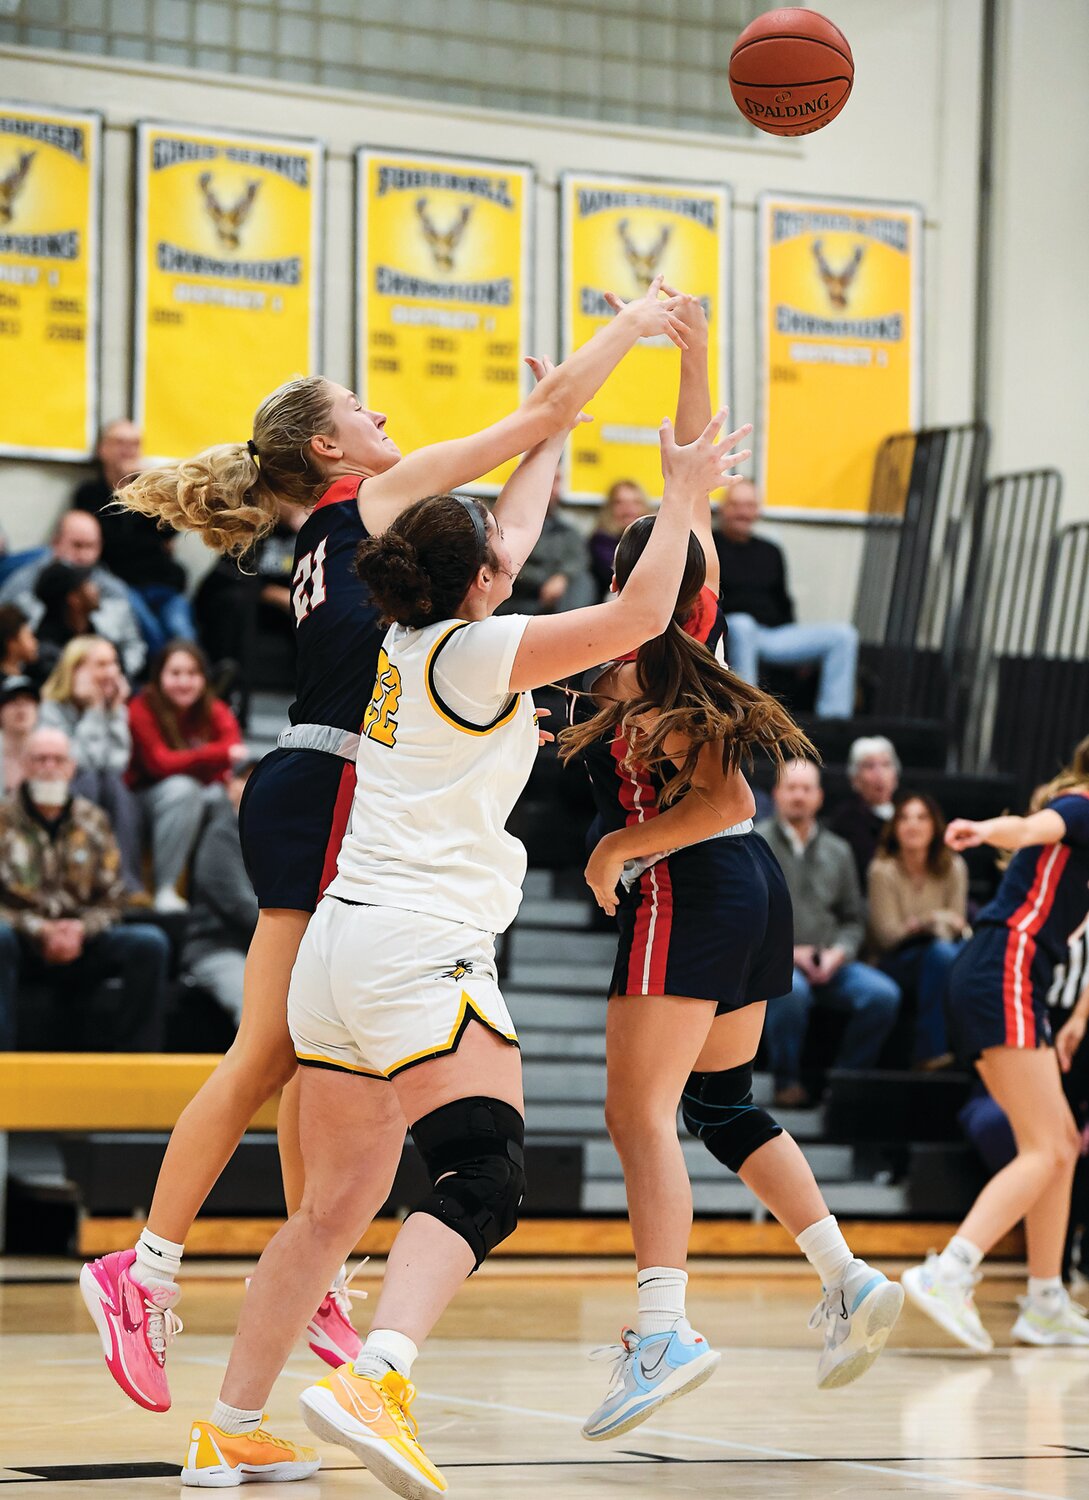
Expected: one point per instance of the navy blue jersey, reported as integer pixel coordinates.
(337, 628)
(1044, 895)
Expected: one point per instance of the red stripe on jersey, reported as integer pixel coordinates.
(1024, 924)
(344, 488)
(342, 811)
(637, 797)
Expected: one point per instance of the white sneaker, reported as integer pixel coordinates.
(857, 1317)
(167, 900)
(948, 1301)
(1051, 1320)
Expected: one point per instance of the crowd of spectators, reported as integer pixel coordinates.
(121, 771)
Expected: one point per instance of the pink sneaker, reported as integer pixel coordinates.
(135, 1324)
(330, 1332)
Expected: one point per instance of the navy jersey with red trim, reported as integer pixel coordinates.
(630, 795)
(1045, 890)
(337, 630)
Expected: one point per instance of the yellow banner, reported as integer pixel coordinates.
(49, 279)
(840, 313)
(618, 233)
(445, 294)
(228, 280)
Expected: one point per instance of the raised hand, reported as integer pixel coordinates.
(962, 833)
(541, 366)
(703, 465)
(650, 314)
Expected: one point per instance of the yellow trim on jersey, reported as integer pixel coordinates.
(315, 1059)
(460, 724)
(467, 1004)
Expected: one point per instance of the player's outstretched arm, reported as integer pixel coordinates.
(551, 408)
(523, 500)
(560, 645)
(1009, 832)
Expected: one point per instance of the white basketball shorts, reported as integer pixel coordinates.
(376, 990)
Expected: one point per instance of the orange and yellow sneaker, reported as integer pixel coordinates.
(219, 1460)
(372, 1418)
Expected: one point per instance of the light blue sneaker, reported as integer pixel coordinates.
(857, 1317)
(648, 1372)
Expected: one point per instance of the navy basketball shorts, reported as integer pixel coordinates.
(997, 991)
(294, 812)
(712, 922)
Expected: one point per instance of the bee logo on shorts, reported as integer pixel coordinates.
(462, 968)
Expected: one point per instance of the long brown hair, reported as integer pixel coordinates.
(688, 692)
(230, 496)
(1073, 777)
(938, 857)
(199, 717)
(419, 569)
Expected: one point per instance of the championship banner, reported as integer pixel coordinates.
(445, 294)
(617, 234)
(228, 299)
(50, 160)
(840, 321)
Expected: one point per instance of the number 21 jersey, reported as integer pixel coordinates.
(337, 629)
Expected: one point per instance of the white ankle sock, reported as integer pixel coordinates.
(233, 1420)
(385, 1350)
(826, 1250)
(157, 1259)
(960, 1258)
(1045, 1288)
(661, 1298)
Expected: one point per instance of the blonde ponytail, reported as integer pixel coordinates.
(230, 494)
(1072, 778)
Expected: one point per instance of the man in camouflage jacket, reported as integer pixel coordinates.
(61, 896)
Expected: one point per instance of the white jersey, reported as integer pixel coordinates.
(445, 753)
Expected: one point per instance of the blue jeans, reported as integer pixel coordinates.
(162, 616)
(924, 968)
(872, 998)
(835, 647)
(137, 956)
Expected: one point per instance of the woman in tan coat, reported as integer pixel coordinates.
(918, 895)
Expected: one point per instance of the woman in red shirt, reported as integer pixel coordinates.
(184, 743)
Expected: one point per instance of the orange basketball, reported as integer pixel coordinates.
(791, 71)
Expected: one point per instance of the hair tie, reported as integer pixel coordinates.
(478, 523)
(251, 448)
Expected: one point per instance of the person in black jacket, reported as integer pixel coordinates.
(760, 612)
(133, 547)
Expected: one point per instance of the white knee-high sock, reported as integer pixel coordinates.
(661, 1298)
(826, 1250)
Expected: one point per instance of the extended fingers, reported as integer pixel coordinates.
(616, 303)
(655, 287)
(675, 330)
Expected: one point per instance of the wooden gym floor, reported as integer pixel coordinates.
(505, 1384)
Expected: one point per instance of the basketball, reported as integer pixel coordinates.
(791, 71)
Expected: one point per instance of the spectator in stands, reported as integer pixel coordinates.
(873, 767)
(556, 576)
(77, 540)
(86, 696)
(60, 913)
(223, 908)
(18, 643)
(760, 612)
(829, 923)
(184, 743)
(918, 899)
(133, 547)
(18, 720)
(70, 598)
(625, 502)
(244, 603)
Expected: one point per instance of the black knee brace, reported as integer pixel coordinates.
(473, 1151)
(718, 1109)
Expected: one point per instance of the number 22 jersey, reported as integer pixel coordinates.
(445, 753)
